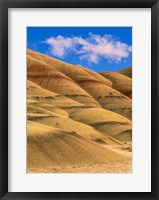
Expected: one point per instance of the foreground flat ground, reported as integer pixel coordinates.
(124, 166)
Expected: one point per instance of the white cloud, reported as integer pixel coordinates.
(93, 48)
(59, 45)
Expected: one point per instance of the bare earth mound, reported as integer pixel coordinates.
(51, 147)
(126, 72)
(119, 82)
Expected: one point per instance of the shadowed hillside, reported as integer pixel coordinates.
(127, 72)
(77, 118)
(120, 82)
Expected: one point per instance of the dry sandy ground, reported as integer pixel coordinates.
(124, 166)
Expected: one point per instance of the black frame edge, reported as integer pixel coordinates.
(3, 102)
(79, 3)
(4, 5)
(154, 97)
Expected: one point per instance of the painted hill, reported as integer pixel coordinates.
(41, 100)
(51, 79)
(120, 82)
(75, 116)
(65, 79)
(127, 72)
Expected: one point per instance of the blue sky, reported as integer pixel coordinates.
(97, 48)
